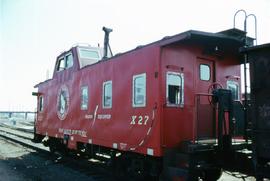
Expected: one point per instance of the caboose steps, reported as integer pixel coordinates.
(190, 162)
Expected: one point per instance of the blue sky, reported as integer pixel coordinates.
(34, 32)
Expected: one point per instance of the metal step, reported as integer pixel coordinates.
(200, 146)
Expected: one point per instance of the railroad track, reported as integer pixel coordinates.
(18, 128)
(18, 135)
(97, 171)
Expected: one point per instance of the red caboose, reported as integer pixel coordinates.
(143, 103)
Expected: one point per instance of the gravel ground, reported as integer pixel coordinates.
(21, 164)
(227, 176)
(18, 163)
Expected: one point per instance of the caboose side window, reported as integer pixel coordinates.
(204, 72)
(107, 94)
(40, 104)
(234, 87)
(69, 60)
(61, 64)
(84, 98)
(139, 90)
(65, 62)
(174, 89)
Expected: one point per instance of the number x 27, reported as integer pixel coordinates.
(140, 120)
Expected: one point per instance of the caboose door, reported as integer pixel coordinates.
(204, 110)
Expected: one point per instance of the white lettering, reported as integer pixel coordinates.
(72, 132)
(146, 119)
(133, 120)
(104, 116)
(88, 116)
(140, 120)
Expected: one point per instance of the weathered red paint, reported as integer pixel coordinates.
(169, 125)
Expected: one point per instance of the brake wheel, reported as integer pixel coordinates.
(211, 88)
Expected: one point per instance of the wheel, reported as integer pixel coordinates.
(135, 169)
(52, 148)
(120, 168)
(57, 148)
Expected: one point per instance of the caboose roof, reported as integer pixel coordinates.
(231, 40)
(232, 35)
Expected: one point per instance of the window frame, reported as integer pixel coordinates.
(209, 72)
(103, 95)
(84, 87)
(69, 53)
(58, 64)
(88, 49)
(237, 84)
(133, 90)
(64, 58)
(181, 75)
(41, 103)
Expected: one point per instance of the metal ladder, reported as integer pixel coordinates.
(245, 22)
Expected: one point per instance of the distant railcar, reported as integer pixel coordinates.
(259, 60)
(145, 105)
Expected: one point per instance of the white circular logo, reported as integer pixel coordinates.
(62, 102)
